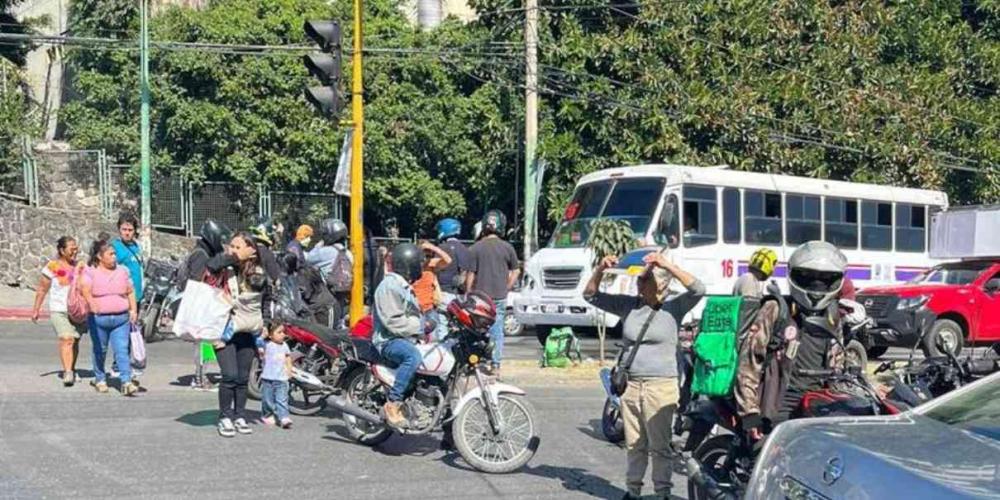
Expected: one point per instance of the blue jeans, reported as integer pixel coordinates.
(110, 329)
(405, 355)
(496, 332)
(274, 398)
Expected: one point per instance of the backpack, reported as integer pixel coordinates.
(76, 305)
(560, 348)
(341, 275)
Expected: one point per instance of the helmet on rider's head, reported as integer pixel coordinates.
(448, 228)
(764, 260)
(476, 312)
(332, 231)
(263, 232)
(407, 261)
(494, 222)
(816, 275)
(215, 235)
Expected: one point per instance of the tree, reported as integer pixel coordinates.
(19, 116)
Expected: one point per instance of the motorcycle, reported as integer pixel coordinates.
(491, 424)
(160, 299)
(916, 383)
(721, 466)
(612, 425)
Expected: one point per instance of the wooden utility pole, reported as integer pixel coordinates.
(530, 126)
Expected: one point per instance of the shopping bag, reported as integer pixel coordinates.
(203, 313)
(137, 347)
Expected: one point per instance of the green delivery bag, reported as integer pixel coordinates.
(560, 347)
(716, 347)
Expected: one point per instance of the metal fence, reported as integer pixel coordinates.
(21, 184)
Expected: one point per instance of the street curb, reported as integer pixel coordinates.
(17, 314)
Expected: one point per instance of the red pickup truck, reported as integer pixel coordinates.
(957, 302)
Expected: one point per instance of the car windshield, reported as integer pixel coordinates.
(633, 200)
(976, 411)
(957, 273)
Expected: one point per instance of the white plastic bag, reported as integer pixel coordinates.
(203, 313)
(137, 347)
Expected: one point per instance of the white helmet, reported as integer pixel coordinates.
(816, 275)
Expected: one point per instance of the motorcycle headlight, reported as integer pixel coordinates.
(912, 302)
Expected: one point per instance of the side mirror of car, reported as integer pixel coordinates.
(992, 286)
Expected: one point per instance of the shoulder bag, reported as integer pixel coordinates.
(619, 374)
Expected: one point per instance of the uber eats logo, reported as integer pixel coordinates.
(720, 316)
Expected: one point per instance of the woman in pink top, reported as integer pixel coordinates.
(107, 287)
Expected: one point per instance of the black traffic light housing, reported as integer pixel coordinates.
(325, 66)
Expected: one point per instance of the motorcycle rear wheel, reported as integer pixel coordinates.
(253, 383)
(486, 452)
(712, 456)
(612, 424)
(150, 323)
(359, 386)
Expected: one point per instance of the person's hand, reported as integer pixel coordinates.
(34, 316)
(426, 245)
(133, 316)
(657, 259)
(755, 434)
(608, 262)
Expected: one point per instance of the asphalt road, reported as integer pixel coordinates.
(60, 442)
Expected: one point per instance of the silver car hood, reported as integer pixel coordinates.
(907, 456)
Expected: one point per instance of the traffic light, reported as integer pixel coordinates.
(325, 66)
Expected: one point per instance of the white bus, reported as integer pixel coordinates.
(720, 217)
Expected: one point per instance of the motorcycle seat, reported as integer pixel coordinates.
(367, 351)
(329, 336)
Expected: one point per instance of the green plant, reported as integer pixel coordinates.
(610, 237)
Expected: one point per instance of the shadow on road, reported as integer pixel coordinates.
(395, 446)
(577, 480)
(594, 431)
(209, 418)
(80, 373)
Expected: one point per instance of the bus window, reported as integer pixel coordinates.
(842, 222)
(911, 224)
(763, 217)
(668, 229)
(876, 225)
(700, 216)
(802, 222)
(731, 221)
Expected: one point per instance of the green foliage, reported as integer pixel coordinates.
(610, 237)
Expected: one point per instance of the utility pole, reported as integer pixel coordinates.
(356, 226)
(530, 125)
(146, 200)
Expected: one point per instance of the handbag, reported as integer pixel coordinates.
(203, 313)
(76, 305)
(619, 374)
(137, 347)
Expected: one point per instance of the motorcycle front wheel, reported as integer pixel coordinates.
(497, 453)
(362, 389)
(253, 383)
(612, 424)
(712, 455)
(150, 323)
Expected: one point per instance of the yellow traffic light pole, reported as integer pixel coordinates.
(357, 202)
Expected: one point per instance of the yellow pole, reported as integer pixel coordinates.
(357, 202)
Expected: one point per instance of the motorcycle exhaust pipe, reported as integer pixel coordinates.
(697, 475)
(342, 405)
(308, 380)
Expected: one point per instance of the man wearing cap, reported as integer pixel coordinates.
(303, 236)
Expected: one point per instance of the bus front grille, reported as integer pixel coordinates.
(566, 278)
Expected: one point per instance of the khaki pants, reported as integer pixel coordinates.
(647, 411)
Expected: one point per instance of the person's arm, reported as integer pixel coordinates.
(514, 270)
(470, 275)
(752, 353)
(87, 291)
(220, 262)
(43, 289)
(595, 277)
(133, 309)
(288, 364)
(441, 258)
(197, 263)
(661, 261)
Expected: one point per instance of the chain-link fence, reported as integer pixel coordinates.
(293, 209)
(232, 203)
(19, 179)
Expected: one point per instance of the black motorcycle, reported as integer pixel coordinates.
(160, 299)
(919, 382)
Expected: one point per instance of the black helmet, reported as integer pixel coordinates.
(494, 222)
(332, 231)
(215, 234)
(407, 261)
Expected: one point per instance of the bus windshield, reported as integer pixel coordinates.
(633, 200)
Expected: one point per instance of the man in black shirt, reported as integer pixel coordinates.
(452, 277)
(493, 270)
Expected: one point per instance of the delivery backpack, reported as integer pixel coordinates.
(724, 322)
(561, 348)
(341, 275)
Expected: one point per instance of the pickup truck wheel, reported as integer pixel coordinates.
(877, 351)
(947, 332)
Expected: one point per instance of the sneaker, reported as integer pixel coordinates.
(393, 414)
(242, 427)
(226, 428)
(268, 421)
(101, 387)
(130, 388)
(286, 423)
(69, 378)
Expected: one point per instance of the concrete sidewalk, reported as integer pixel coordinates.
(16, 303)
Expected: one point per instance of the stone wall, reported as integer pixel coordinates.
(28, 236)
(67, 179)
